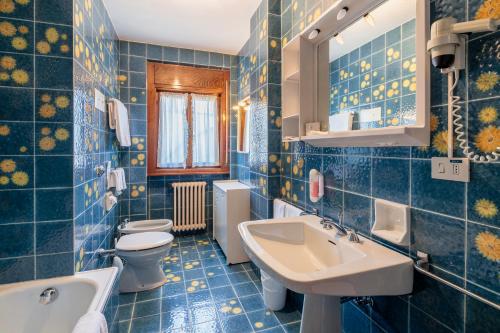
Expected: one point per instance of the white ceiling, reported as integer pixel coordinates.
(210, 25)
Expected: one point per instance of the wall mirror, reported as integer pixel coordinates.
(243, 125)
(372, 70)
(371, 74)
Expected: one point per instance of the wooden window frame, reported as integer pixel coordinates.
(190, 80)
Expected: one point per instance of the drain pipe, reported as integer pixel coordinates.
(362, 301)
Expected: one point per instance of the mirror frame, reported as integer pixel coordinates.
(328, 25)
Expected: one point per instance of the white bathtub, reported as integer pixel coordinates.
(21, 312)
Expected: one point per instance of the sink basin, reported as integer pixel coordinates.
(308, 259)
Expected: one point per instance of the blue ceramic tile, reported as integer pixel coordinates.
(18, 104)
(13, 246)
(16, 138)
(436, 195)
(222, 293)
(391, 307)
(236, 324)
(53, 40)
(148, 295)
(171, 54)
(245, 289)
(55, 11)
(480, 315)
(186, 56)
(358, 321)
(154, 52)
(54, 265)
(146, 308)
(262, 319)
(54, 204)
(18, 70)
(483, 201)
(146, 325)
(22, 200)
(357, 211)
(391, 179)
(482, 265)
(54, 237)
(54, 171)
(17, 36)
(439, 300)
(448, 253)
(421, 322)
(137, 64)
(137, 49)
(252, 303)
(53, 73)
(17, 269)
(216, 59)
(201, 58)
(357, 174)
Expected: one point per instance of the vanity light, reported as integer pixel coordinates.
(342, 13)
(369, 19)
(339, 39)
(314, 34)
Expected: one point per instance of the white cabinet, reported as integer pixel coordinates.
(231, 207)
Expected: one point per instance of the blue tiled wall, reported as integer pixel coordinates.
(259, 73)
(379, 74)
(36, 140)
(456, 223)
(140, 201)
(95, 66)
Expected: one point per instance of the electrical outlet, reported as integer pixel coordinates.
(455, 169)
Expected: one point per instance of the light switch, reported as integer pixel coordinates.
(455, 169)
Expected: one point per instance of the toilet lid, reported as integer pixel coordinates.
(143, 241)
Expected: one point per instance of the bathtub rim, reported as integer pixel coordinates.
(103, 279)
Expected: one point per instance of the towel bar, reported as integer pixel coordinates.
(422, 266)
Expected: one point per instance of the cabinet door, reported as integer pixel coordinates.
(220, 218)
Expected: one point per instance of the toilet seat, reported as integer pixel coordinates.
(143, 241)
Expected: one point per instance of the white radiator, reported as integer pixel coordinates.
(189, 206)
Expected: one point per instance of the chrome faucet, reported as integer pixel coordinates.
(330, 224)
(124, 223)
(48, 296)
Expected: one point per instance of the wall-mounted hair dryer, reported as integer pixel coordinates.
(447, 49)
(447, 41)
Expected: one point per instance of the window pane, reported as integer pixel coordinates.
(172, 131)
(205, 131)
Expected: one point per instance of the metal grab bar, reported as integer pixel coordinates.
(422, 266)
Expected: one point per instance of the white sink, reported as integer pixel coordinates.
(308, 259)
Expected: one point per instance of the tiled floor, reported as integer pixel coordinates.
(203, 295)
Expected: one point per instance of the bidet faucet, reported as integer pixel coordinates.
(124, 223)
(48, 296)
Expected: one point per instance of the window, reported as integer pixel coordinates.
(187, 130)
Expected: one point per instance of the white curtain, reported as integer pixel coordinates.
(173, 130)
(205, 130)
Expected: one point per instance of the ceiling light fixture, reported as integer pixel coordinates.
(314, 34)
(369, 19)
(342, 13)
(339, 39)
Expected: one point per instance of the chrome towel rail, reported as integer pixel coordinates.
(422, 266)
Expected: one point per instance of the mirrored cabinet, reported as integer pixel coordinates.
(359, 76)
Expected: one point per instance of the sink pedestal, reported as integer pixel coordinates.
(321, 314)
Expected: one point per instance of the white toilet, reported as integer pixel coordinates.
(164, 225)
(143, 255)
